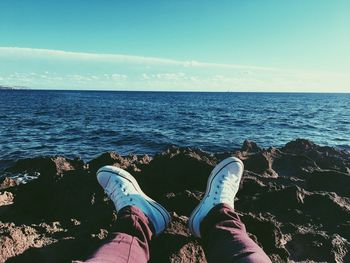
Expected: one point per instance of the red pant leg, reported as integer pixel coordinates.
(130, 243)
(225, 238)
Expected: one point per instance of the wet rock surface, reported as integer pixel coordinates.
(294, 200)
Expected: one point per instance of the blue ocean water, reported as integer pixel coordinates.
(87, 123)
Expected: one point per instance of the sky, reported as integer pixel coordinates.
(182, 45)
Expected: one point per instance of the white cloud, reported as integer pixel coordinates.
(116, 58)
(118, 77)
(41, 68)
(173, 76)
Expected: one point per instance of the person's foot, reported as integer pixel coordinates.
(124, 190)
(222, 187)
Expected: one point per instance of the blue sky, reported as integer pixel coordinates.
(236, 45)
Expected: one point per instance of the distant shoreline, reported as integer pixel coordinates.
(13, 88)
(6, 88)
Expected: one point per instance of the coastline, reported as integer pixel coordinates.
(15, 88)
(293, 199)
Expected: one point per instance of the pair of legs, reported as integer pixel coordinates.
(214, 220)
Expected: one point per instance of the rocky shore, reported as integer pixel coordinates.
(294, 200)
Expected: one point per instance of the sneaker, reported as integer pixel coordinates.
(222, 187)
(123, 190)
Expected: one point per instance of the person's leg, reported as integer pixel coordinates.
(215, 221)
(139, 218)
(224, 236)
(130, 243)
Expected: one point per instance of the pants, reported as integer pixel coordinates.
(224, 237)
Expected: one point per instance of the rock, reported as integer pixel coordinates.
(176, 244)
(6, 198)
(74, 196)
(326, 209)
(344, 228)
(251, 186)
(325, 157)
(261, 163)
(47, 167)
(294, 201)
(292, 165)
(188, 199)
(250, 147)
(15, 240)
(132, 163)
(178, 169)
(278, 202)
(267, 233)
(8, 182)
(331, 181)
(299, 146)
(340, 249)
(318, 247)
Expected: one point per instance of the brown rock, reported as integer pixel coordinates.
(331, 181)
(178, 169)
(250, 147)
(325, 157)
(294, 202)
(318, 247)
(261, 162)
(132, 163)
(176, 244)
(6, 198)
(293, 165)
(47, 167)
(15, 240)
(8, 182)
(267, 233)
(299, 146)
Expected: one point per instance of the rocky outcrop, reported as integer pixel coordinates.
(294, 201)
(250, 147)
(46, 167)
(132, 163)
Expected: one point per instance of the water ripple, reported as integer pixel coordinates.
(88, 123)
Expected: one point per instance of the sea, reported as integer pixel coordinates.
(87, 123)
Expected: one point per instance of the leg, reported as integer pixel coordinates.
(224, 236)
(215, 221)
(130, 242)
(139, 218)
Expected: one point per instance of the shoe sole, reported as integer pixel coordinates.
(212, 175)
(166, 216)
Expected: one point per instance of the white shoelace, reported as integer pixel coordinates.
(225, 190)
(118, 194)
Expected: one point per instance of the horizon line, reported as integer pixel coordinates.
(166, 91)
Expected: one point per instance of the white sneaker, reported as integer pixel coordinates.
(124, 190)
(222, 187)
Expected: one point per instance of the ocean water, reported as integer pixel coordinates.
(88, 123)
